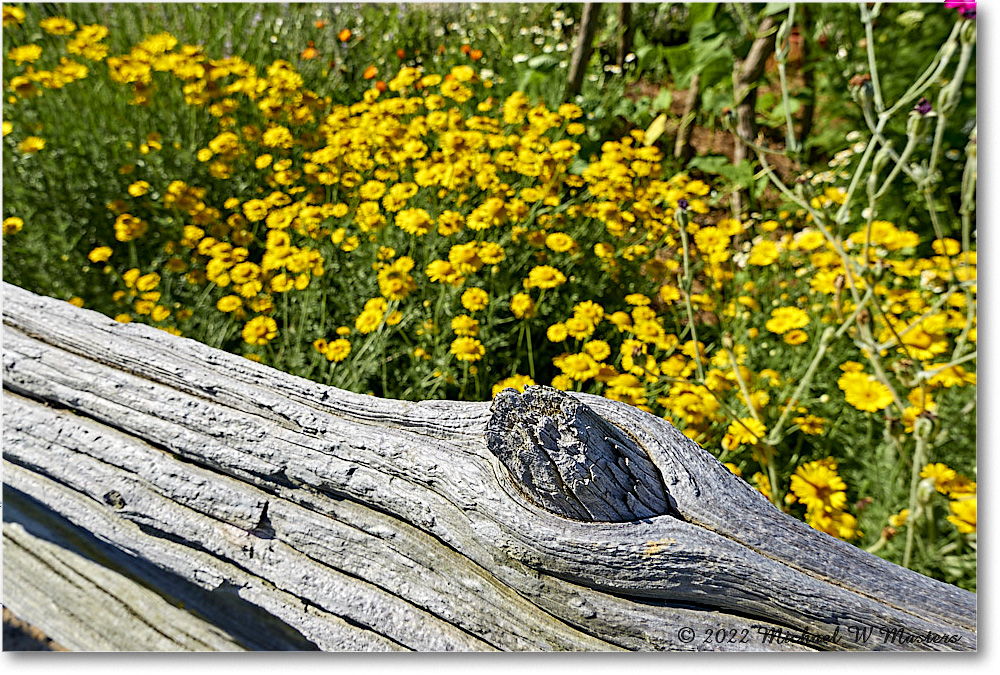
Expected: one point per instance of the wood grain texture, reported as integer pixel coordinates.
(336, 521)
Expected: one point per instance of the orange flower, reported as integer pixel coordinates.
(344, 35)
(381, 86)
(321, 23)
(476, 54)
(441, 49)
(370, 72)
(401, 53)
(310, 52)
(466, 49)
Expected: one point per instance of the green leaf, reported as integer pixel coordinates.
(663, 100)
(702, 11)
(711, 164)
(772, 8)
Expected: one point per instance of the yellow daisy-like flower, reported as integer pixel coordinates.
(260, 330)
(796, 337)
(521, 305)
(229, 303)
(899, 519)
(475, 299)
(763, 254)
(637, 299)
(467, 349)
(24, 54)
(544, 276)
(138, 188)
(578, 328)
(589, 311)
(12, 15)
(942, 475)
(465, 325)
(745, 430)
(599, 349)
(963, 515)
(784, 319)
(338, 350)
(13, 224)
(31, 145)
(57, 25)
(560, 242)
(579, 367)
(518, 382)
(556, 332)
(864, 392)
(819, 487)
(810, 424)
(368, 321)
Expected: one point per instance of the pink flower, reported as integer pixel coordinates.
(967, 8)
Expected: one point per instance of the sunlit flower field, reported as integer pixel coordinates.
(423, 228)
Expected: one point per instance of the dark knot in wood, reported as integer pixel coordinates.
(571, 461)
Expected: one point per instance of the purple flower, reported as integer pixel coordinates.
(967, 8)
(682, 204)
(923, 106)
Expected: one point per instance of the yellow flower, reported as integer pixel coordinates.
(13, 224)
(589, 311)
(57, 25)
(24, 54)
(278, 137)
(128, 227)
(260, 330)
(764, 253)
(414, 221)
(637, 299)
(745, 430)
(368, 321)
(138, 188)
(229, 303)
(560, 242)
(579, 367)
(518, 382)
(475, 299)
(711, 240)
(864, 392)
(599, 349)
(941, 474)
(521, 305)
(963, 514)
(556, 332)
(796, 337)
(31, 145)
(899, 519)
(784, 319)
(544, 276)
(467, 349)
(255, 210)
(465, 325)
(338, 350)
(12, 15)
(817, 485)
(810, 424)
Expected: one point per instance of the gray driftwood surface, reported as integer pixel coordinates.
(163, 495)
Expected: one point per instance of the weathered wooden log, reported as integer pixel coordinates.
(185, 498)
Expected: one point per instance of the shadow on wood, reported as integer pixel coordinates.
(163, 495)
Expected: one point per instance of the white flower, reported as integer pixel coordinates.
(520, 58)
